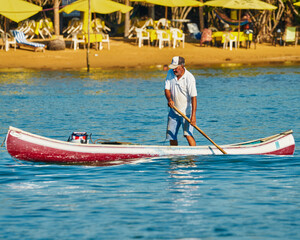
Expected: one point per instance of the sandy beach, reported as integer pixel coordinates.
(126, 54)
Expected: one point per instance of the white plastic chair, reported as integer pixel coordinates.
(22, 25)
(177, 35)
(76, 41)
(8, 40)
(105, 39)
(148, 23)
(1, 36)
(162, 24)
(162, 37)
(96, 25)
(142, 35)
(229, 38)
(44, 28)
(28, 28)
(99, 26)
(76, 27)
(70, 24)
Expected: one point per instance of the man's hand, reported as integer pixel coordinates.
(171, 103)
(193, 120)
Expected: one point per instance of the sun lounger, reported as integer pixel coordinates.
(194, 31)
(22, 41)
(290, 36)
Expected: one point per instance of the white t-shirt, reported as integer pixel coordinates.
(182, 90)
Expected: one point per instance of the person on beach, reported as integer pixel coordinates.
(181, 92)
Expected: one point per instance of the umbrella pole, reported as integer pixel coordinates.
(166, 12)
(239, 29)
(4, 32)
(88, 46)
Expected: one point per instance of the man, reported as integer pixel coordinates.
(181, 92)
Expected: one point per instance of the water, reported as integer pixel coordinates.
(198, 197)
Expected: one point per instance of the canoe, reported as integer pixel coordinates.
(30, 147)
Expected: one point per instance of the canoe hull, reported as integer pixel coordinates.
(30, 147)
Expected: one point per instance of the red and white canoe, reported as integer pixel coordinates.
(30, 147)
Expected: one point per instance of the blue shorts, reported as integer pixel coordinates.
(174, 123)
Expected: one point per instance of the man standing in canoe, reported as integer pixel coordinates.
(181, 92)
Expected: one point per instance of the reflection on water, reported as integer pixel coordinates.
(17, 78)
(185, 173)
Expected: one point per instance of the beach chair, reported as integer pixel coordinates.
(99, 26)
(290, 35)
(70, 25)
(105, 39)
(148, 23)
(76, 40)
(22, 26)
(75, 27)
(162, 23)
(2, 38)
(229, 38)
(8, 40)
(137, 25)
(44, 28)
(22, 41)
(163, 37)
(194, 31)
(1, 32)
(29, 29)
(177, 36)
(142, 35)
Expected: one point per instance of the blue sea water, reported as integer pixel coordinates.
(195, 197)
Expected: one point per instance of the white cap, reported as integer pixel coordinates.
(177, 61)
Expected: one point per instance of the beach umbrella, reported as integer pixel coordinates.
(241, 4)
(297, 4)
(18, 10)
(172, 3)
(96, 6)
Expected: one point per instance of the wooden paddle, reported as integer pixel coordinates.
(186, 118)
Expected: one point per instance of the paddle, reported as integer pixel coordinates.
(186, 118)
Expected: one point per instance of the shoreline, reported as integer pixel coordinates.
(126, 55)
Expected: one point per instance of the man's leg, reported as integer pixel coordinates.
(191, 140)
(188, 133)
(172, 128)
